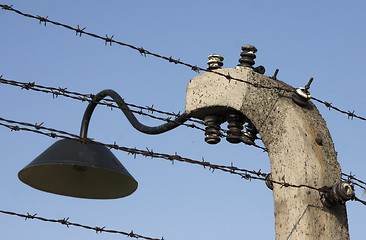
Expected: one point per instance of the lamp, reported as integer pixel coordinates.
(88, 170)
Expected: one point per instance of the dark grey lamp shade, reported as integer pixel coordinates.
(79, 170)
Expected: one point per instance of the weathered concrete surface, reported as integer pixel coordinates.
(299, 145)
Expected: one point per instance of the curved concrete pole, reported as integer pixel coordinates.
(299, 145)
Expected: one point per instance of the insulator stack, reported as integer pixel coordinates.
(212, 130)
(215, 61)
(250, 134)
(235, 126)
(247, 56)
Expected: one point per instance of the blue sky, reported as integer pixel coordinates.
(303, 39)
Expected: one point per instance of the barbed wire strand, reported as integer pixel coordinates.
(89, 98)
(54, 133)
(109, 40)
(67, 223)
(109, 103)
(243, 173)
(350, 114)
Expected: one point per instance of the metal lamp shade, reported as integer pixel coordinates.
(79, 170)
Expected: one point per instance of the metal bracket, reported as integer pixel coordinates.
(338, 194)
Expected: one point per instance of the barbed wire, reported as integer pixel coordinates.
(67, 223)
(142, 51)
(350, 114)
(54, 133)
(109, 40)
(359, 200)
(55, 92)
(242, 172)
(110, 103)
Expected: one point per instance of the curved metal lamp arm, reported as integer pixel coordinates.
(131, 118)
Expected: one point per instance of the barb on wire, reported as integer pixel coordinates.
(79, 31)
(353, 180)
(67, 223)
(241, 172)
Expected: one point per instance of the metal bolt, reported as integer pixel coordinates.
(274, 77)
(235, 127)
(307, 86)
(212, 130)
(215, 61)
(247, 56)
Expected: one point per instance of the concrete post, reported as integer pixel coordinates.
(299, 146)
